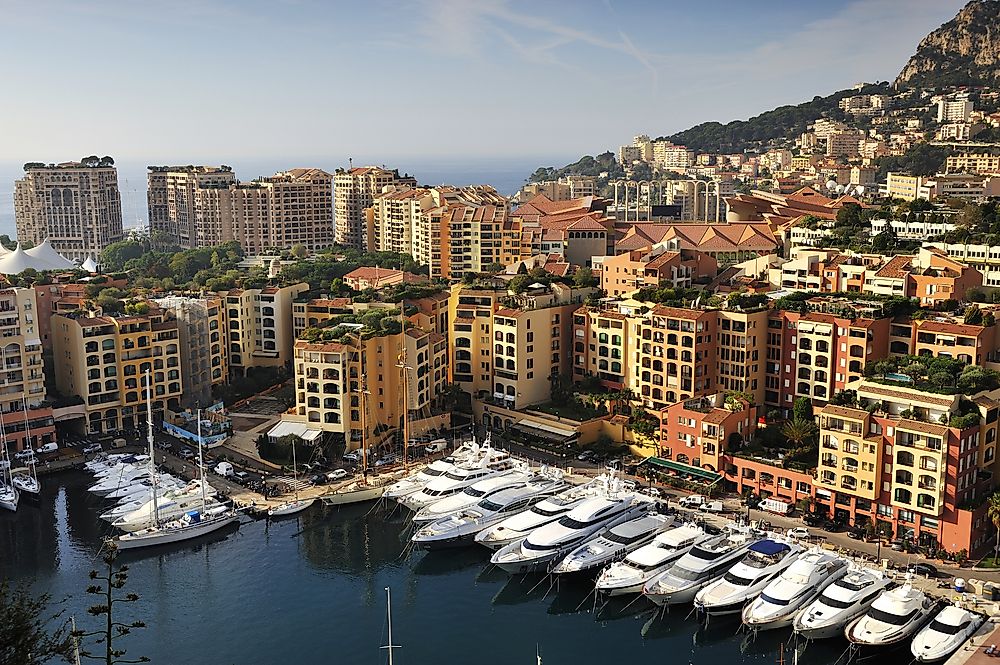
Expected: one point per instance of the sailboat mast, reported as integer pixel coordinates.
(201, 466)
(27, 436)
(364, 424)
(295, 472)
(152, 453)
(6, 455)
(406, 387)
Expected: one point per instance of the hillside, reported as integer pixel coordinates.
(963, 51)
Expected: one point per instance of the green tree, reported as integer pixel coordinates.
(993, 512)
(299, 251)
(798, 432)
(107, 587)
(803, 410)
(25, 634)
(584, 278)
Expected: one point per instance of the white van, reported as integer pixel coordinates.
(225, 469)
(775, 506)
(692, 501)
(712, 507)
(436, 446)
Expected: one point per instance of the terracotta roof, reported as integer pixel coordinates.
(952, 328)
(678, 312)
(322, 346)
(897, 267)
(716, 416)
(918, 426)
(899, 394)
(843, 411)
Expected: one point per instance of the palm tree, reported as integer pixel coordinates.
(798, 431)
(993, 512)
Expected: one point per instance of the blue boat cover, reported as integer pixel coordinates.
(769, 547)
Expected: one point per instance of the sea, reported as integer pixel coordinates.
(506, 174)
(310, 590)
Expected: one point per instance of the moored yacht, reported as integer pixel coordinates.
(840, 603)
(519, 525)
(415, 481)
(614, 544)
(894, 617)
(457, 479)
(144, 500)
(461, 528)
(638, 567)
(128, 476)
(472, 495)
(764, 561)
(780, 600)
(705, 563)
(9, 497)
(26, 483)
(946, 632)
(548, 544)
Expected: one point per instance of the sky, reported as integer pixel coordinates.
(446, 81)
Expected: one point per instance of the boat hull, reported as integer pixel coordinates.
(9, 502)
(132, 541)
(291, 508)
(673, 597)
(448, 542)
(885, 641)
(353, 496)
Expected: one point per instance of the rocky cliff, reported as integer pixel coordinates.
(963, 51)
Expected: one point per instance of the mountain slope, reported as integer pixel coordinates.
(963, 51)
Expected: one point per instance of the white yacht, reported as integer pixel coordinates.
(416, 481)
(614, 544)
(456, 480)
(166, 508)
(129, 475)
(461, 528)
(840, 603)
(548, 544)
(764, 561)
(9, 497)
(164, 494)
(894, 617)
(105, 462)
(638, 567)
(518, 526)
(144, 488)
(471, 495)
(706, 562)
(26, 483)
(946, 632)
(805, 579)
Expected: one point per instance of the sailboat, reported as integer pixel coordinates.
(389, 646)
(297, 505)
(190, 525)
(27, 483)
(9, 495)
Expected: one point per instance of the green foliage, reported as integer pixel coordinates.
(922, 159)
(667, 295)
(585, 278)
(946, 376)
(586, 165)
(845, 398)
(27, 636)
(108, 589)
(643, 423)
(802, 410)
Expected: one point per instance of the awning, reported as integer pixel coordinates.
(546, 430)
(698, 472)
(286, 428)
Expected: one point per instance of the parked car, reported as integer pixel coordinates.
(923, 568)
(856, 533)
(24, 455)
(337, 474)
(585, 456)
(92, 448)
(186, 453)
(833, 526)
(799, 532)
(692, 501)
(240, 476)
(436, 446)
(353, 457)
(385, 461)
(225, 469)
(49, 447)
(653, 492)
(812, 519)
(712, 507)
(898, 545)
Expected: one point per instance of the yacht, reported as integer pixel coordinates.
(638, 567)
(518, 526)
(164, 494)
(104, 462)
(706, 562)
(130, 475)
(26, 483)
(764, 561)
(167, 508)
(840, 603)
(144, 488)
(471, 495)
(548, 544)
(461, 528)
(946, 632)
(416, 481)
(296, 505)
(614, 544)
(778, 603)
(9, 497)
(456, 480)
(894, 617)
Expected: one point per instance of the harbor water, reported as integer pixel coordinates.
(310, 589)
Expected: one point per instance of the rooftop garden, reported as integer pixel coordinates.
(373, 323)
(891, 305)
(945, 376)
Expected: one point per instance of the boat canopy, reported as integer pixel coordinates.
(769, 547)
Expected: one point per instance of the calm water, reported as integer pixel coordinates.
(311, 591)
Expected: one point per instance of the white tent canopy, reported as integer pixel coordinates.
(40, 258)
(286, 428)
(46, 253)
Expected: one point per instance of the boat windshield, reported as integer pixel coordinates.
(474, 492)
(625, 540)
(854, 586)
(571, 523)
(685, 574)
(774, 601)
(947, 629)
(528, 545)
(486, 504)
(833, 602)
(432, 472)
(548, 513)
(735, 579)
(707, 555)
(891, 619)
(457, 475)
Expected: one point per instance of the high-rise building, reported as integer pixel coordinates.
(395, 214)
(354, 191)
(76, 205)
(104, 360)
(201, 328)
(179, 208)
(260, 326)
(22, 403)
(954, 110)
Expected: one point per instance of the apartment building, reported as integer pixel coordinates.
(201, 326)
(601, 345)
(984, 258)
(293, 207)
(844, 144)
(26, 416)
(354, 191)
(654, 266)
(314, 312)
(906, 460)
(672, 157)
(75, 205)
(178, 206)
(566, 188)
(330, 378)
(968, 162)
(953, 110)
(394, 214)
(260, 326)
(944, 336)
(105, 360)
(700, 431)
(627, 154)
(577, 230)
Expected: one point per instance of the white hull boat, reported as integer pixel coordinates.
(945, 634)
(26, 485)
(178, 530)
(764, 561)
(705, 563)
(894, 617)
(470, 496)
(8, 498)
(359, 491)
(614, 544)
(780, 601)
(290, 508)
(638, 567)
(143, 518)
(840, 603)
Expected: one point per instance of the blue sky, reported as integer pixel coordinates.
(207, 81)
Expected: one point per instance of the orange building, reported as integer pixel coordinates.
(700, 431)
